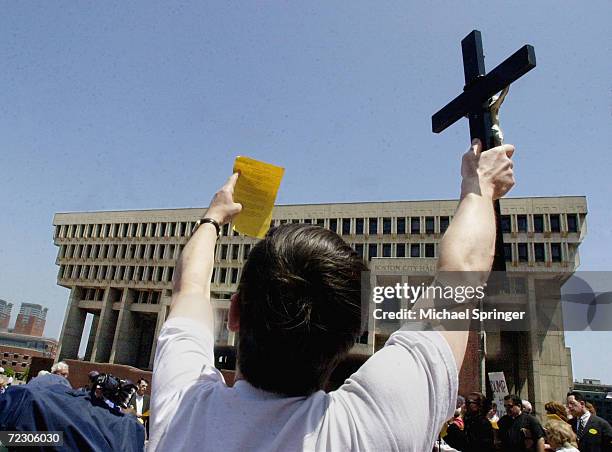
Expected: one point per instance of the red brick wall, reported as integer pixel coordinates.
(7, 361)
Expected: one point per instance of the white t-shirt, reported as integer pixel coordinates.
(139, 400)
(397, 401)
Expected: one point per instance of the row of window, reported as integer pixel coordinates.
(221, 275)
(140, 296)
(117, 272)
(121, 251)
(147, 296)
(540, 252)
(368, 251)
(227, 251)
(540, 223)
(226, 275)
(376, 226)
(15, 355)
(123, 230)
(344, 226)
(145, 252)
(13, 363)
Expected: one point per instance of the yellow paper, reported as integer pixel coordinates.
(256, 190)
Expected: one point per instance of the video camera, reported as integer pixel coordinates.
(113, 389)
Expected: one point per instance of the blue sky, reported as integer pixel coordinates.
(115, 105)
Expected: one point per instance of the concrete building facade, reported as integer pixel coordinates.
(5, 314)
(31, 320)
(118, 267)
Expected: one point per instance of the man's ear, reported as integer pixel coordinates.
(233, 322)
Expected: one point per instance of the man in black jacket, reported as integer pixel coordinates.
(140, 403)
(593, 433)
(518, 431)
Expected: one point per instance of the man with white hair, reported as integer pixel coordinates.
(3, 384)
(61, 369)
(527, 408)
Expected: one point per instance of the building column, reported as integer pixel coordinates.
(368, 280)
(161, 319)
(72, 328)
(106, 327)
(123, 349)
(533, 392)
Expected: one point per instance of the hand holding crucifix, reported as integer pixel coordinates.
(481, 105)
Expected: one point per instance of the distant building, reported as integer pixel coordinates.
(17, 350)
(600, 395)
(31, 320)
(5, 314)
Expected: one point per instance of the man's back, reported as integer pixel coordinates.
(197, 410)
(297, 311)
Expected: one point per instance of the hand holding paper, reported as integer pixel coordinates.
(256, 190)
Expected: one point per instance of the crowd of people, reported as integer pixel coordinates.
(572, 427)
(107, 413)
(476, 426)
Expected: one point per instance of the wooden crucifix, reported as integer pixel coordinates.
(479, 103)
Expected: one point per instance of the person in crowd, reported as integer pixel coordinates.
(556, 411)
(593, 433)
(476, 434)
(297, 312)
(452, 433)
(518, 431)
(61, 368)
(3, 384)
(589, 406)
(560, 437)
(140, 402)
(48, 403)
(42, 372)
(493, 415)
(478, 429)
(527, 407)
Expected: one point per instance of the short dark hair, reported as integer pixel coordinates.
(300, 308)
(142, 379)
(578, 396)
(484, 404)
(516, 400)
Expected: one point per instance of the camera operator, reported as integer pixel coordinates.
(91, 421)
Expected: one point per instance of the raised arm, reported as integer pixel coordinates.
(191, 282)
(469, 243)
